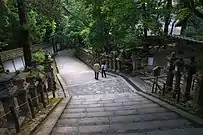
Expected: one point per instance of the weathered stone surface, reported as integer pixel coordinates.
(99, 114)
(64, 130)
(109, 107)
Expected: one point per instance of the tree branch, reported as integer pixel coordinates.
(81, 20)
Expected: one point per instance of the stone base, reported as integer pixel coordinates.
(4, 131)
(12, 125)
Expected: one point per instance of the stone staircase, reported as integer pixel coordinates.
(121, 114)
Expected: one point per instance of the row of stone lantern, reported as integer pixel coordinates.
(29, 92)
(113, 62)
(175, 67)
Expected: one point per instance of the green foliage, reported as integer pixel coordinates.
(102, 25)
(39, 56)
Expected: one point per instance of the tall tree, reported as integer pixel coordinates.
(25, 40)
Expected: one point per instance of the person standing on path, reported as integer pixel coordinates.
(103, 69)
(96, 70)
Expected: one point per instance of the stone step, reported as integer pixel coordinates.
(124, 114)
(117, 119)
(146, 126)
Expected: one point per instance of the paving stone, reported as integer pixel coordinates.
(114, 108)
(97, 109)
(145, 126)
(94, 105)
(75, 110)
(137, 102)
(125, 112)
(185, 131)
(94, 129)
(113, 104)
(143, 117)
(100, 114)
(74, 115)
(90, 102)
(67, 122)
(94, 121)
(106, 101)
(64, 130)
(151, 110)
(72, 106)
(140, 106)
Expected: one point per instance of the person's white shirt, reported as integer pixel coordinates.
(104, 66)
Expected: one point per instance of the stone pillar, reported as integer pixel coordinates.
(50, 75)
(33, 90)
(170, 75)
(22, 99)
(114, 62)
(191, 71)
(118, 65)
(22, 93)
(200, 102)
(110, 62)
(7, 102)
(133, 57)
(179, 67)
(7, 92)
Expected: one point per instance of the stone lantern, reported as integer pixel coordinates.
(7, 92)
(22, 93)
(114, 61)
(179, 67)
(191, 70)
(170, 67)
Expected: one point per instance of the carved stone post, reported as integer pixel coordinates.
(191, 71)
(33, 90)
(22, 94)
(118, 65)
(179, 66)
(201, 90)
(7, 92)
(170, 75)
(49, 75)
(114, 62)
(133, 57)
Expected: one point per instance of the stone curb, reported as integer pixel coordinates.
(44, 118)
(160, 101)
(46, 127)
(62, 84)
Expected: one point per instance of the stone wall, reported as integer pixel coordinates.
(85, 56)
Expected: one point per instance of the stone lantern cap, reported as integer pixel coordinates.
(7, 88)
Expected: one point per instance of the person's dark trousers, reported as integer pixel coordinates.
(104, 73)
(96, 75)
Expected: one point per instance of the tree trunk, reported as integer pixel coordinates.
(172, 27)
(24, 33)
(167, 17)
(184, 26)
(146, 46)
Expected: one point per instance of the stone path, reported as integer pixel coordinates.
(110, 107)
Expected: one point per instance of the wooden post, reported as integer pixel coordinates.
(15, 117)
